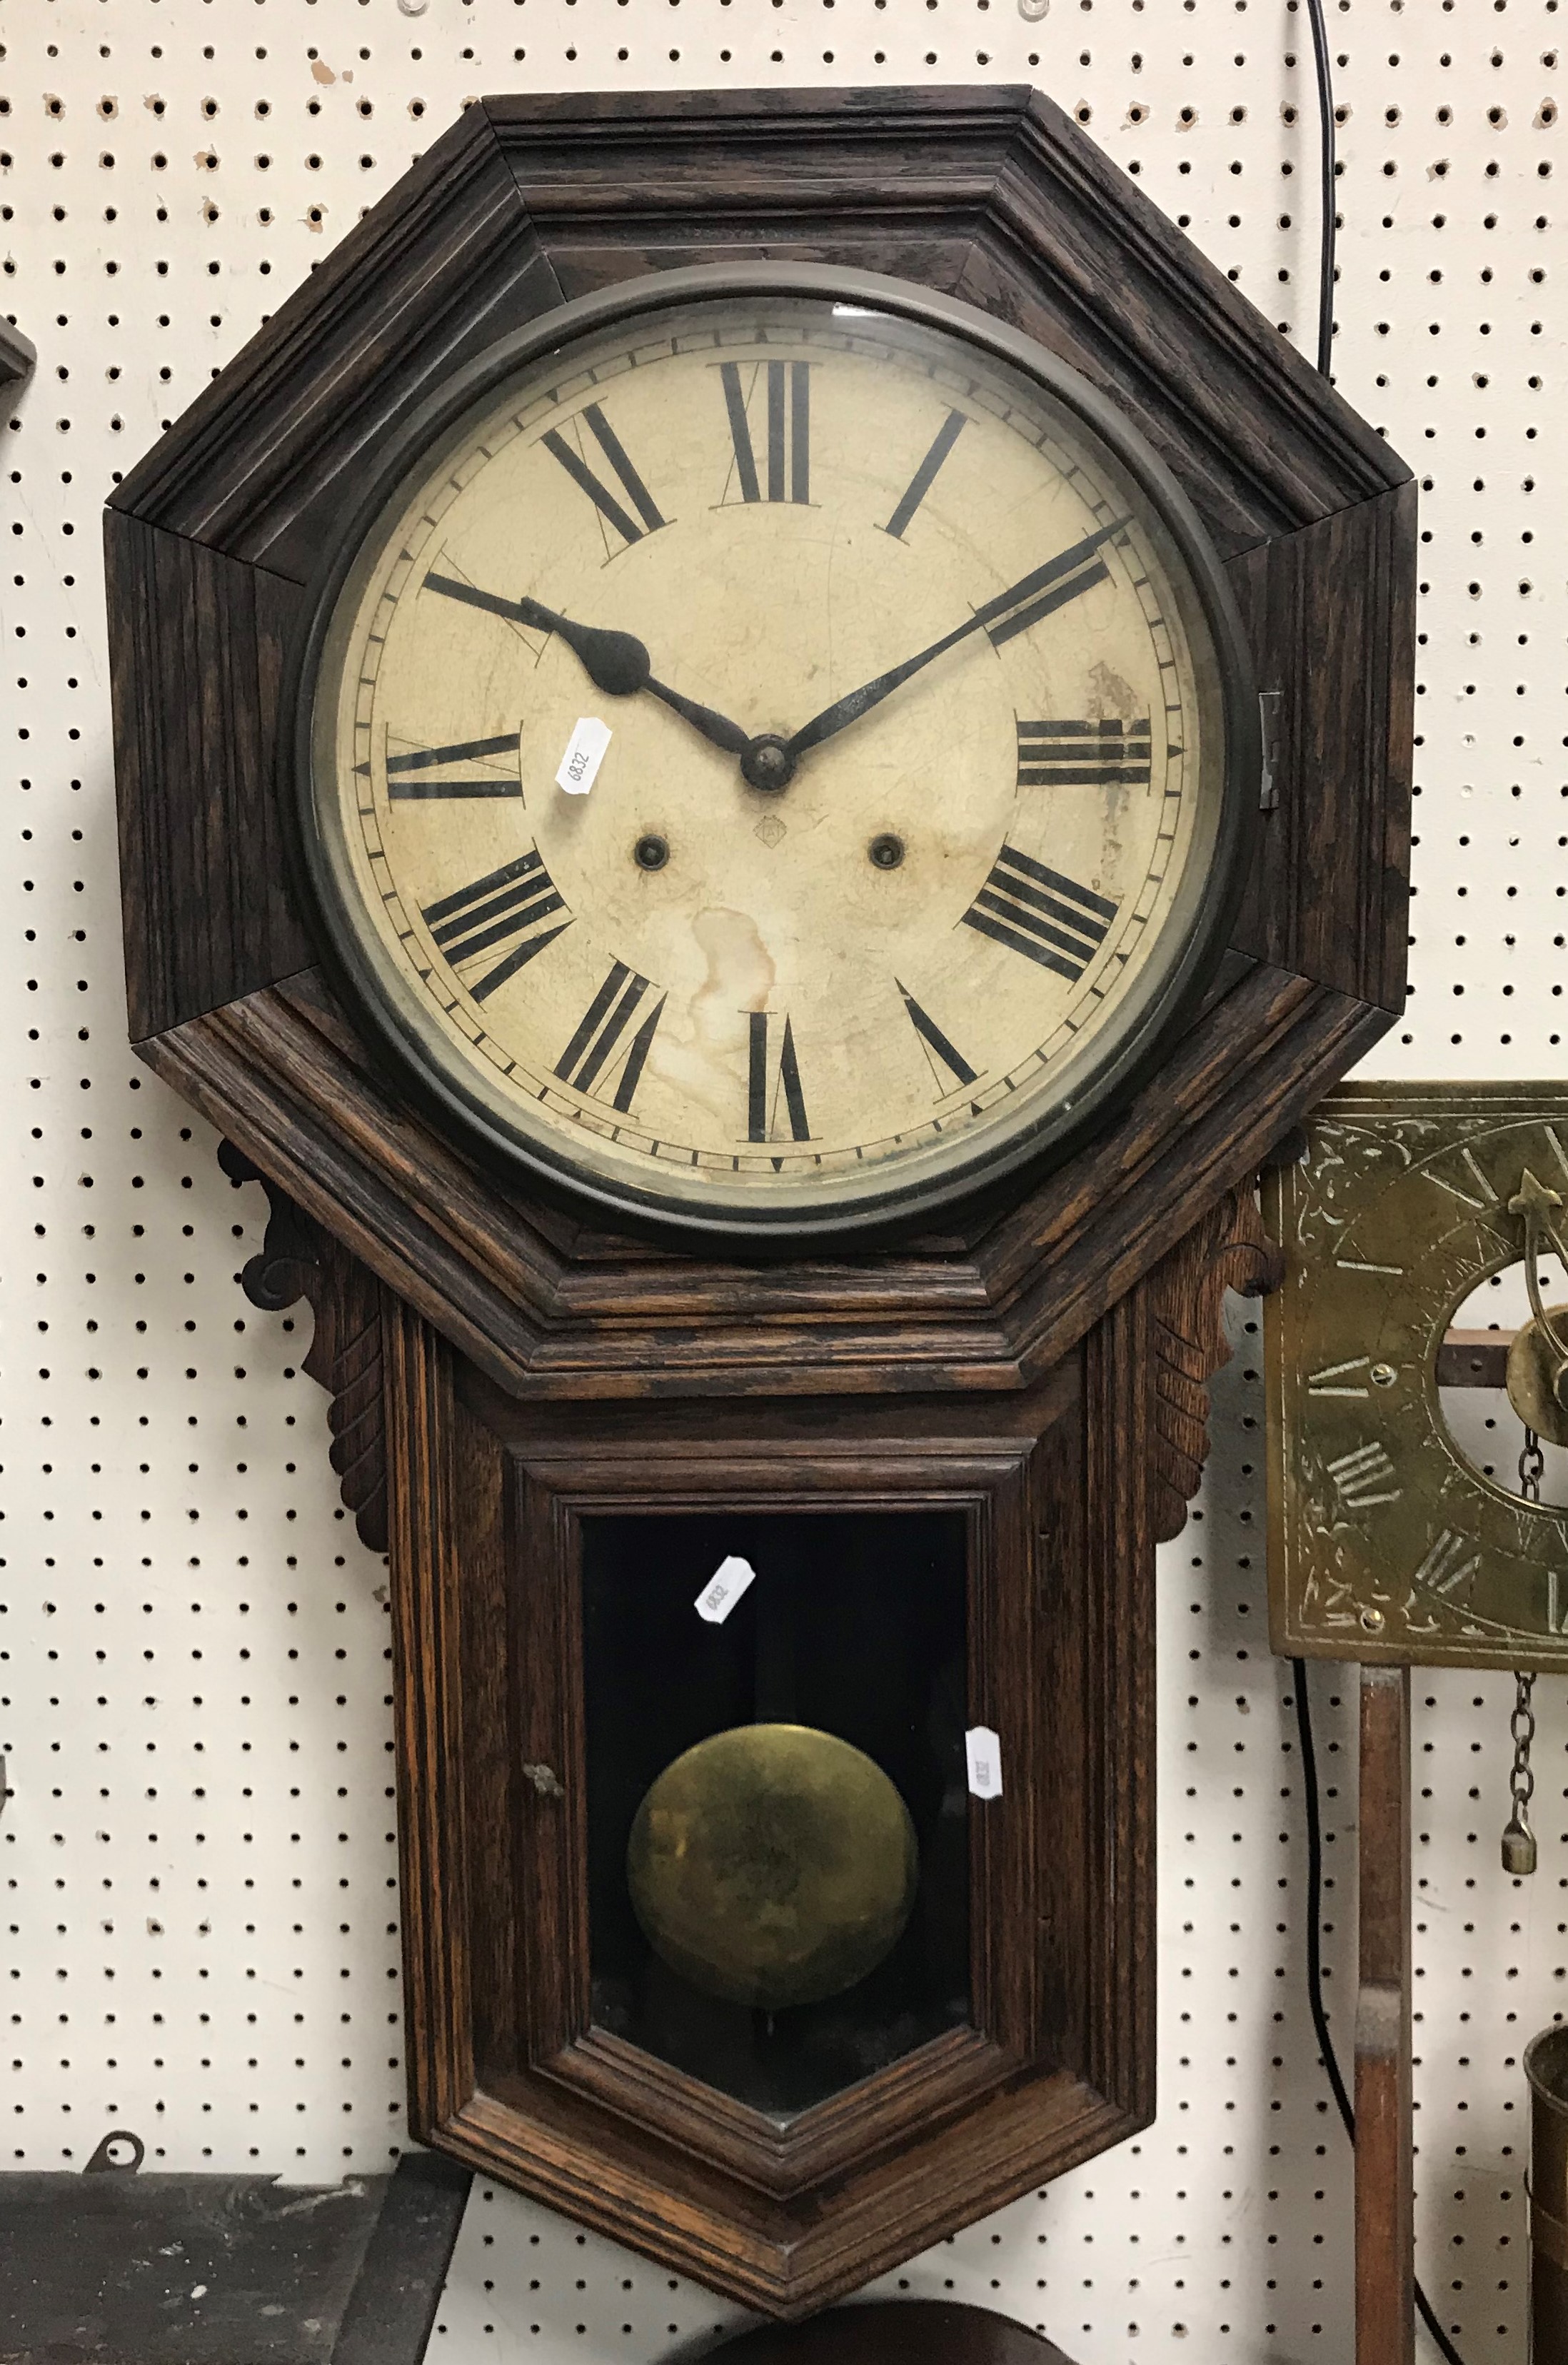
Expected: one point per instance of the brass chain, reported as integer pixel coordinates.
(1521, 1727)
(1518, 1840)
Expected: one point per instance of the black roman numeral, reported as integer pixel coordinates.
(406, 767)
(1037, 911)
(1083, 754)
(505, 907)
(614, 511)
(936, 1046)
(598, 1047)
(763, 1095)
(925, 477)
(788, 410)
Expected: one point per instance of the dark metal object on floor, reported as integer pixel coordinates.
(896, 2332)
(122, 2268)
(1546, 2067)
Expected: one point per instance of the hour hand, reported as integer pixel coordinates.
(617, 663)
(620, 665)
(716, 727)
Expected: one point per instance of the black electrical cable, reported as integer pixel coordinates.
(1298, 1666)
(1330, 194)
(1314, 1899)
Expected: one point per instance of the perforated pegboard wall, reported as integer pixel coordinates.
(198, 1858)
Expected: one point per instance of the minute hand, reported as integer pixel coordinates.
(1052, 585)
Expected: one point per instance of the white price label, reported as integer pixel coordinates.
(983, 1751)
(585, 753)
(724, 1588)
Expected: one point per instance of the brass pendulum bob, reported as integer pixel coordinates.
(773, 1865)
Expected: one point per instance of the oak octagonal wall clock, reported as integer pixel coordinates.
(763, 748)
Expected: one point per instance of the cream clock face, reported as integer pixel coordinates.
(771, 762)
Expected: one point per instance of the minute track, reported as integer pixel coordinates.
(789, 1011)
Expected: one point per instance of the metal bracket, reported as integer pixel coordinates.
(1269, 702)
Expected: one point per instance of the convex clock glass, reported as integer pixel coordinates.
(919, 817)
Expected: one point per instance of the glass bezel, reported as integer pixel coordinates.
(433, 1073)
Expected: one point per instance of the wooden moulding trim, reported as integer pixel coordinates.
(425, 1624)
(1391, 855)
(1338, 458)
(1382, 719)
(1183, 1121)
(599, 1474)
(1229, 1250)
(196, 645)
(468, 1276)
(1170, 1163)
(783, 2262)
(1328, 893)
(988, 1481)
(927, 2087)
(282, 1113)
(373, 290)
(476, 1268)
(666, 157)
(1119, 1621)
(312, 1098)
(714, 1428)
(594, 117)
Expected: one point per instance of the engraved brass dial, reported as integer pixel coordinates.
(1385, 1540)
(919, 812)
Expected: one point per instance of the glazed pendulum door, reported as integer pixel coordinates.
(778, 1807)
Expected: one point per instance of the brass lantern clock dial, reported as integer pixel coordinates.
(1387, 1539)
(771, 757)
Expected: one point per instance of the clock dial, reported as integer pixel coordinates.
(1386, 1540)
(917, 803)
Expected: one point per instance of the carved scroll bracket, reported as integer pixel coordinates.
(297, 1259)
(1228, 1249)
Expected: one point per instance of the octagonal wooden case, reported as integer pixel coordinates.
(986, 194)
(1039, 1366)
